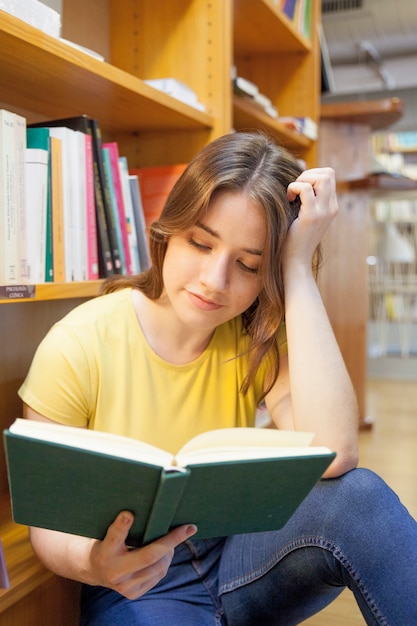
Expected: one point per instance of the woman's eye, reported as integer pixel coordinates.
(246, 268)
(198, 245)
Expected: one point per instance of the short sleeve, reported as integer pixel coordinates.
(60, 379)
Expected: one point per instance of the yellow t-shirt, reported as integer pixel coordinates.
(95, 368)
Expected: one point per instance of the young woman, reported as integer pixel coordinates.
(228, 315)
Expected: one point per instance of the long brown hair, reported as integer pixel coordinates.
(249, 163)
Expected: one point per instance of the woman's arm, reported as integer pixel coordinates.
(313, 391)
(108, 563)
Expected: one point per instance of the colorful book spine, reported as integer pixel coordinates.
(105, 196)
(92, 247)
(114, 209)
(289, 8)
(58, 243)
(113, 154)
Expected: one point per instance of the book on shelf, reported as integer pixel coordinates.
(130, 216)
(299, 13)
(247, 90)
(91, 225)
(105, 196)
(395, 141)
(244, 87)
(20, 170)
(70, 180)
(114, 210)
(303, 125)
(49, 251)
(12, 172)
(111, 161)
(178, 90)
(226, 482)
(155, 184)
(38, 206)
(302, 17)
(58, 244)
(289, 7)
(139, 220)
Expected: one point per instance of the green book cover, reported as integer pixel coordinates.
(81, 490)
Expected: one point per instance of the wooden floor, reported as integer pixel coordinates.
(389, 448)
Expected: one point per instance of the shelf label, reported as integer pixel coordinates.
(16, 292)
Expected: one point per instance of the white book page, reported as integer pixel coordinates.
(230, 444)
(226, 444)
(97, 441)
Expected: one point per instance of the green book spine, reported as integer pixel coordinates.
(171, 488)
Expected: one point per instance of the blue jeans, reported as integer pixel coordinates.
(349, 532)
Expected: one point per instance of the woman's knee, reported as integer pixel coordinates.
(359, 489)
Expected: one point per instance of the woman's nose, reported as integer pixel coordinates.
(215, 273)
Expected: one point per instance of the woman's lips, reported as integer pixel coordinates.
(203, 303)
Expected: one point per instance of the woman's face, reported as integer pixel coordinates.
(211, 271)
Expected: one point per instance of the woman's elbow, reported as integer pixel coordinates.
(345, 460)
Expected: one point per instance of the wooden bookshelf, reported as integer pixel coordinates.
(263, 36)
(247, 115)
(44, 78)
(344, 277)
(61, 75)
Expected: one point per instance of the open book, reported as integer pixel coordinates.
(225, 481)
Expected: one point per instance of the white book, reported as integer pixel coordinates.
(244, 87)
(69, 174)
(79, 187)
(36, 212)
(141, 233)
(20, 188)
(8, 213)
(130, 217)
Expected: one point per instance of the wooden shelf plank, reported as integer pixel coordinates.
(384, 182)
(247, 116)
(253, 33)
(66, 80)
(53, 291)
(25, 571)
(374, 113)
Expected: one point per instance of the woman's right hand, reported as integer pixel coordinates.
(132, 572)
(109, 563)
(316, 189)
